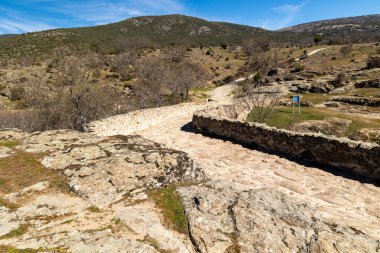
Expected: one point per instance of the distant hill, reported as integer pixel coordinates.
(7, 35)
(155, 30)
(161, 31)
(350, 28)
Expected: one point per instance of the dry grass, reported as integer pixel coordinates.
(24, 169)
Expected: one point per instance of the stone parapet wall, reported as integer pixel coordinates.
(226, 121)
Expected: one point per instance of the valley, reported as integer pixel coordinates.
(176, 134)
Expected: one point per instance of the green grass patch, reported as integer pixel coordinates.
(94, 209)
(7, 204)
(16, 232)
(315, 98)
(284, 118)
(367, 92)
(10, 249)
(168, 200)
(9, 144)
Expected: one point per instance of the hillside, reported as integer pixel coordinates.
(168, 30)
(141, 31)
(353, 28)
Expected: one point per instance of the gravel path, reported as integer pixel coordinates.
(348, 201)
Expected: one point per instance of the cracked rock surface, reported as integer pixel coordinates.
(108, 208)
(264, 220)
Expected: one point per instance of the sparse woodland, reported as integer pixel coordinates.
(81, 88)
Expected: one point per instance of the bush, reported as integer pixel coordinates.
(373, 62)
(341, 79)
(346, 50)
(17, 92)
(299, 67)
(289, 77)
(258, 77)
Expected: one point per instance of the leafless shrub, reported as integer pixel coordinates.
(151, 89)
(346, 50)
(123, 65)
(262, 100)
(123, 44)
(256, 45)
(174, 55)
(71, 103)
(17, 92)
(26, 120)
(341, 79)
(185, 76)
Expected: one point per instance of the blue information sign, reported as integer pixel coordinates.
(297, 100)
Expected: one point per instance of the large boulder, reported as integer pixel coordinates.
(264, 220)
(104, 171)
(344, 89)
(373, 83)
(367, 135)
(328, 126)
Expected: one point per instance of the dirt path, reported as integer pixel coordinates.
(316, 51)
(349, 201)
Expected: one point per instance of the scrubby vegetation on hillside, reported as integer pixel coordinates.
(179, 30)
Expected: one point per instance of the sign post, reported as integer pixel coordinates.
(297, 100)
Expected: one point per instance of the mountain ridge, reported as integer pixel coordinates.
(180, 30)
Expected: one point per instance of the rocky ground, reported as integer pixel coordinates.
(124, 191)
(258, 202)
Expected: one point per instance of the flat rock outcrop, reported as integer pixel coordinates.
(103, 171)
(264, 220)
(329, 126)
(108, 208)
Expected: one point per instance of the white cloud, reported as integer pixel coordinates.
(288, 8)
(102, 11)
(12, 21)
(21, 26)
(79, 13)
(162, 5)
(288, 13)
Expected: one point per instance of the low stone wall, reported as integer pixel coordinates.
(226, 121)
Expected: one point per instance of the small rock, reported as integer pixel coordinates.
(5, 152)
(366, 135)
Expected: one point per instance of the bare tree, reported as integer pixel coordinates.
(186, 76)
(262, 101)
(256, 45)
(123, 64)
(153, 77)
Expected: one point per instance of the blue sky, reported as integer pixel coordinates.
(19, 16)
